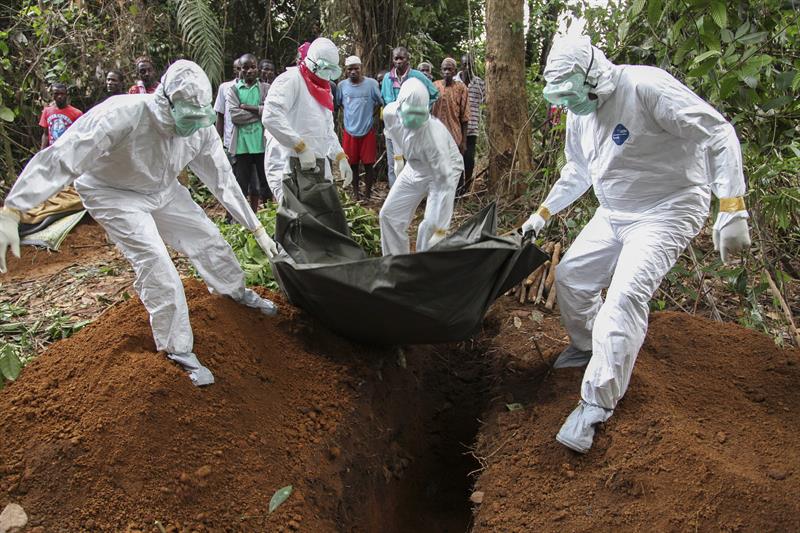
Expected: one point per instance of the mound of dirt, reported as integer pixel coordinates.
(86, 242)
(100, 433)
(706, 439)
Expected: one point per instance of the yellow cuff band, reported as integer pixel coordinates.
(12, 213)
(398, 157)
(731, 205)
(340, 156)
(544, 213)
(300, 147)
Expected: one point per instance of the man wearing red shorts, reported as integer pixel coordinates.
(358, 97)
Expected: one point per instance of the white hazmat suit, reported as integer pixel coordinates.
(432, 169)
(296, 124)
(124, 157)
(653, 152)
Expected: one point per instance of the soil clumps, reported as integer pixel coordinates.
(101, 433)
(707, 437)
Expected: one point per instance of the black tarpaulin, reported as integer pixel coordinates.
(435, 296)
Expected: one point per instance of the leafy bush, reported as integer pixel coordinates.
(23, 338)
(364, 229)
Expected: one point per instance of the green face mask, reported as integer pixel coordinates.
(190, 118)
(573, 92)
(413, 117)
(326, 70)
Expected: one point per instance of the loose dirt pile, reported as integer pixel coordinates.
(706, 439)
(86, 242)
(102, 433)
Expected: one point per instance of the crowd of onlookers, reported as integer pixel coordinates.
(456, 101)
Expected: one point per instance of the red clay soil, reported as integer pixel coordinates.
(85, 243)
(706, 439)
(101, 433)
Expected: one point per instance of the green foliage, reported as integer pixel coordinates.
(202, 33)
(435, 30)
(364, 229)
(10, 365)
(18, 334)
(742, 59)
(44, 42)
(279, 497)
(364, 225)
(254, 261)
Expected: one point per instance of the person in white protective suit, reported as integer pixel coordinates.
(298, 116)
(432, 168)
(653, 152)
(124, 157)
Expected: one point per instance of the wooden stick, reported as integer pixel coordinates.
(551, 276)
(551, 298)
(523, 292)
(784, 307)
(709, 299)
(529, 280)
(534, 286)
(541, 284)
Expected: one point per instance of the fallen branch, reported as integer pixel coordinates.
(784, 307)
(551, 276)
(551, 297)
(709, 299)
(542, 283)
(534, 286)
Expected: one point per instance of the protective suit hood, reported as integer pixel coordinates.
(413, 104)
(570, 55)
(323, 55)
(413, 93)
(184, 81)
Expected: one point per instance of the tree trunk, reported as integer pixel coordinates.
(376, 28)
(508, 125)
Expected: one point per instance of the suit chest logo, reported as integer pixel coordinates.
(620, 134)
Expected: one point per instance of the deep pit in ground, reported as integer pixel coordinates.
(100, 433)
(104, 434)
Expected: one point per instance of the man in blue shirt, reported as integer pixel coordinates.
(390, 87)
(358, 96)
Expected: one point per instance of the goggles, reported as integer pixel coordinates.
(572, 91)
(190, 118)
(325, 69)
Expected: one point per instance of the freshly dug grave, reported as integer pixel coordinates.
(101, 433)
(706, 439)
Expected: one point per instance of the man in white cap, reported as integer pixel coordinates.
(359, 96)
(298, 114)
(124, 156)
(653, 152)
(432, 168)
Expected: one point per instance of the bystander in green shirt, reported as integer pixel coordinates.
(250, 137)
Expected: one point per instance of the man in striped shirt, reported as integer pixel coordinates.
(477, 96)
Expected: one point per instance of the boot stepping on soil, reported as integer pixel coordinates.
(251, 299)
(573, 358)
(199, 374)
(577, 433)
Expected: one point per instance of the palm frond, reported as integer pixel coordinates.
(202, 33)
